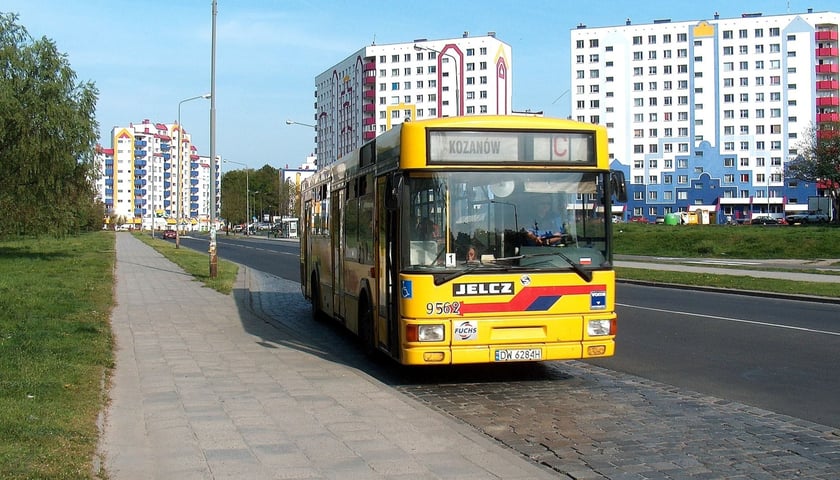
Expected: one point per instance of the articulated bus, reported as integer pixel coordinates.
(467, 240)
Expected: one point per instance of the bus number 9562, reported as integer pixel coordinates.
(443, 308)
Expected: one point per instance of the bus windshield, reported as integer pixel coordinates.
(539, 220)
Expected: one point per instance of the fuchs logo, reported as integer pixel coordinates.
(466, 330)
(487, 288)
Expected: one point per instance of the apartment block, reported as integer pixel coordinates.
(380, 86)
(152, 175)
(703, 115)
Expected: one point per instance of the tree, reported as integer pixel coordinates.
(48, 134)
(819, 161)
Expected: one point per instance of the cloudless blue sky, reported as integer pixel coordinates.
(145, 57)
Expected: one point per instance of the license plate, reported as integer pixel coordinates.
(518, 355)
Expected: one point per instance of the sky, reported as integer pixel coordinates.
(146, 57)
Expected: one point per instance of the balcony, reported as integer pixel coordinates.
(167, 165)
(370, 94)
(193, 181)
(140, 192)
(194, 190)
(140, 144)
(139, 201)
(193, 174)
(164, 147)
(166, 175)
(193, 166)
(193, 198)
(140, 182)
(370, 135)
(827, 52)
(828, 117)
(370, 80)
(826, 35)
(193, 209)
(140, 153)
(109, 172)
(109, 162)
(167, 186)
(371, 66)
(828, 68)
(138, 212)
(140, 172)
(109, 182)
(167, 203)
(139, 163)
(828, 101)
(369, 121)
(828, 85)
(369, 108)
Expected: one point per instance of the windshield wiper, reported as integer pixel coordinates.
(578, 268)
(444, 278)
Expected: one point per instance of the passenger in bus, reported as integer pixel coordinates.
(472, 255)
(547, 229)
(426, 229)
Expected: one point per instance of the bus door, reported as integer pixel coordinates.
(387, 278)
(337, 234)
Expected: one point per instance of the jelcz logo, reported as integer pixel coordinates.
(466, 330)
(486, 288)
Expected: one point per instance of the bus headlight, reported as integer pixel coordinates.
(599, 328)
(430, 333)
(424, 333)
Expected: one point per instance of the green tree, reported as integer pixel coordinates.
(48, 135)
(819, 161)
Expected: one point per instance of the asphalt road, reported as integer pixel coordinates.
(776, 354)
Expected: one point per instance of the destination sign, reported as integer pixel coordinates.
(457, 147)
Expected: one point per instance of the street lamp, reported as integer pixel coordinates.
(247, 196)
(457, 85)
(292, 122)
(178, 170)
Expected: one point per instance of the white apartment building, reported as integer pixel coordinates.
(704, 114)
(380, 86)
(144, 175)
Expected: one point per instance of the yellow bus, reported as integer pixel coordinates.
(467, 240)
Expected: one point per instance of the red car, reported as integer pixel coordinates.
(169, 234)
(639, 219)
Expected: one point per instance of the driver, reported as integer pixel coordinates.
(547, 229)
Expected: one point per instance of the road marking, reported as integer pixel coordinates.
(730, 319)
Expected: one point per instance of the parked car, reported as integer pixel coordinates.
(169, 234)
(639, 219)
(765, 220)
(659, 220)
(807, 217)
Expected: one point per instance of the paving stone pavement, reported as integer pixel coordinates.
(205, 389)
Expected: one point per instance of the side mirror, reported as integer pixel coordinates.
(394, 187)
(618, 185)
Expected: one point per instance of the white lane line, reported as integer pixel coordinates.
(730, 319)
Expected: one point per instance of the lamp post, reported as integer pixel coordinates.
(247, 196)
(292, 122)
(457, 85)
(178, 169)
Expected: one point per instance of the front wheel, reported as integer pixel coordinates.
(317, 313)
(366, 328)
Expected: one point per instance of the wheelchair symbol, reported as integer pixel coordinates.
(406, 289)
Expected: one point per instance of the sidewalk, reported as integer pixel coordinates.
(205, 389)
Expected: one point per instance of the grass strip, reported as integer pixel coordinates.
(733, 282)
(56, 297)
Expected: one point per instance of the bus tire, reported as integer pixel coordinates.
(366, 331)
(317, 313)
